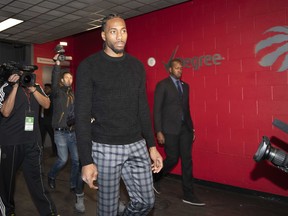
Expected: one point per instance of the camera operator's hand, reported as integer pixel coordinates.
(31, 89)
(43, 100)
(14, 80)
(55, 59)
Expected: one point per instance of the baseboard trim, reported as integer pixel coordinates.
(259, 194)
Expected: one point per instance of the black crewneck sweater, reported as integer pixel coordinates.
(111, 91)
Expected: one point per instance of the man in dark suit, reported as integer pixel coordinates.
(174, 128)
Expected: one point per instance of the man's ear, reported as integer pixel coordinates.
(103, 35)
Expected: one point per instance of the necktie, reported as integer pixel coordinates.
(179, 87)
(180, 95)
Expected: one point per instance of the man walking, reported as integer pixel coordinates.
(174, 128)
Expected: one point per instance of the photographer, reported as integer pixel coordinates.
(64, 134)
(21, 143)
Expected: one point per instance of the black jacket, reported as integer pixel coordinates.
(169, 108)
(63, 99)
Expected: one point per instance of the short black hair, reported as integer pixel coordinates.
(105, 19)
(48, 84)
(175, 60)
(65, 72)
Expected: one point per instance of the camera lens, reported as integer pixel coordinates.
(26, 79)
(61, 57)
(266, 152)
(263, 150)
(278, 157)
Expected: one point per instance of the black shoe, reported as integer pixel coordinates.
(156, 187)
(193, 200)
(51, 183)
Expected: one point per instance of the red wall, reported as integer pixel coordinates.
(234, 101)
(47, 51)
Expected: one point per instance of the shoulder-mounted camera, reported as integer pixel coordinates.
(266, 151)
(26, 73)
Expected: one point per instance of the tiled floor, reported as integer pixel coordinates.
(219, 202)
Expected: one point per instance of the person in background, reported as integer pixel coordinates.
(45, 120)
(20, 145)
(110, 89)
(63, 122)
(174, 129)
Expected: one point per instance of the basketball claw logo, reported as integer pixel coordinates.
(278, 44)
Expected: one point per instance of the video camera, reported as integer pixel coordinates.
(266, 152)
(61, 51)
(27, 77)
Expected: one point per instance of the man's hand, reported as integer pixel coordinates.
(14, 78)
(55, 59)
(89, 175)
(31, 89)
(160, 138)
(157, 159)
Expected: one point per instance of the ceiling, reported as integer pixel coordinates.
(50, 20)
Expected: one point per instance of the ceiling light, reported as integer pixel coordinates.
(95, 26)
(8, 23)
(63, 43)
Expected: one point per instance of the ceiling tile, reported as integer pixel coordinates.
(11, 9)
(21, 5)
(48, 20)
(47, 4)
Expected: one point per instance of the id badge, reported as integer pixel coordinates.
(29, 121)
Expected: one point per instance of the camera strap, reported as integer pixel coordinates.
(29, 114)
(28, 98)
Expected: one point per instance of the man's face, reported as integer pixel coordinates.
(47, 90)
(176, 70)
(67, 79)
(115, 36)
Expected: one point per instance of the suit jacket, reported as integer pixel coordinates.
(169, 107)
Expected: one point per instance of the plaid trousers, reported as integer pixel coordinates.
(132, 163)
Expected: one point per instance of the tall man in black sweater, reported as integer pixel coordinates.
(113, 124)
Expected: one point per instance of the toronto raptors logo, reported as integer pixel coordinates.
(273, 51)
